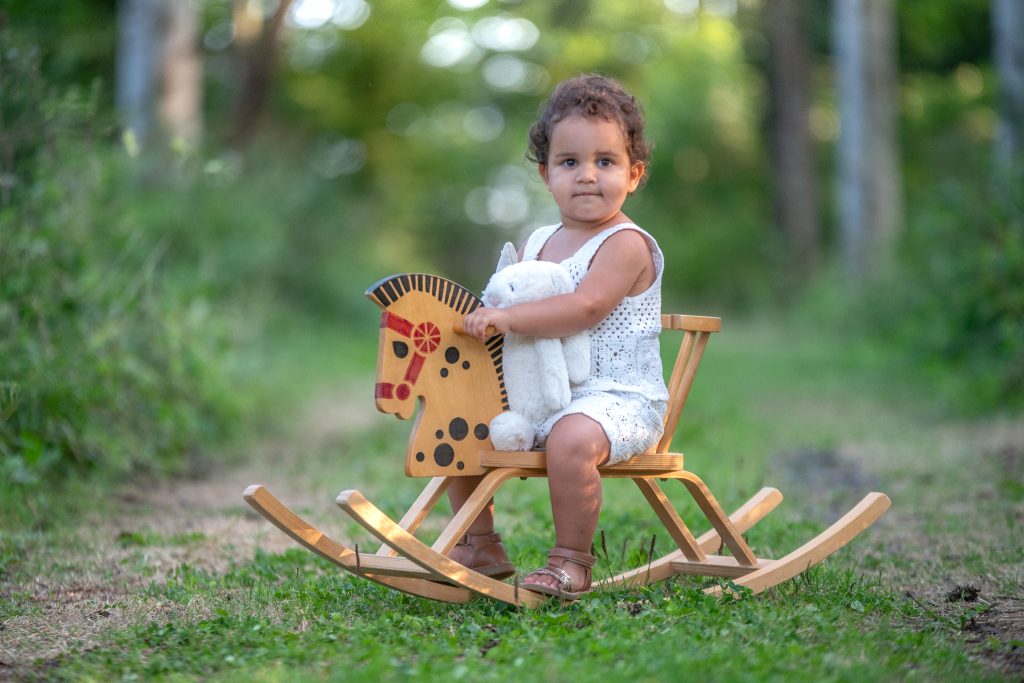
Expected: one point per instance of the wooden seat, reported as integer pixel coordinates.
(454, 385)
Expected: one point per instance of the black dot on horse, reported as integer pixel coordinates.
(458, 429)
(444, 455)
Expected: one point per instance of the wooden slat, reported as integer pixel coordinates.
(678, 399)
(647, 464)
(675, 380)
(717, 565)
(693, 323)
(386, 565)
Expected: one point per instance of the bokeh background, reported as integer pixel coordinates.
(194, 194)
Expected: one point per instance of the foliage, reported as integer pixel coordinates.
(102, 365)
(132, 283)
(961, 301)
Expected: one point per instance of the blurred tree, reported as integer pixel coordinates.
(870, 186)
(159, 72)
(259, 49)
(793, 167)
(179, 106)
(1008, 47)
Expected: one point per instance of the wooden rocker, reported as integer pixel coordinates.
(459, 386)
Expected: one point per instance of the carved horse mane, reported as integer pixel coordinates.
(458, 381)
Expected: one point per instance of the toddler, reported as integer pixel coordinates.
(589, 147)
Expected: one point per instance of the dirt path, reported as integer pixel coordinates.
(88, 580)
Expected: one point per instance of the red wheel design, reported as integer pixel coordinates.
(426, 337)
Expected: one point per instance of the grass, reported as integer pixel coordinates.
(823, 422)
(289, 617)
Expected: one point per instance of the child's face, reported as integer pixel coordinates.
(588, 171)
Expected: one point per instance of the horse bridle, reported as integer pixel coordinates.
(425, 337)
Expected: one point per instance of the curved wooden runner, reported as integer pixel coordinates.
(859, 518)
(281, 516)
(388, 531)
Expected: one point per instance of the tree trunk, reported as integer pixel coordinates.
(796, 191)
(870, 183)
(137, 32)
(256, 81)
(1007, 29)
(181, 93)
(158, 69)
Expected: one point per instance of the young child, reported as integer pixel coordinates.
(590, 151)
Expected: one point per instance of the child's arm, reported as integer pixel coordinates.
(622, 267)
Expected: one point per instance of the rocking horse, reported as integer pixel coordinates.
(458, 384)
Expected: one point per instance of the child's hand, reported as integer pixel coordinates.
(477, 322)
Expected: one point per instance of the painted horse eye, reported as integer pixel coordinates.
(401, 349)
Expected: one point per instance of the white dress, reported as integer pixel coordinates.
(625, 392)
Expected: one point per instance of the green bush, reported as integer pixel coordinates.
(102, 365)
(959, 304)
(139, 290)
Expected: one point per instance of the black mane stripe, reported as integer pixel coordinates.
(456, 297)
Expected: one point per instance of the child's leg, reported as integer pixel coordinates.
(459, 492)
(575, 448)
(480, 549)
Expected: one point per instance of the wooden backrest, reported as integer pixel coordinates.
(697, 330)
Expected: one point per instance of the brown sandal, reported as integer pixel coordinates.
(483, 553)
(567, 588)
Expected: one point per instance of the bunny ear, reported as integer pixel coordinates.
(508, 256)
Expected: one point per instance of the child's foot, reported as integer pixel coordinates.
(567, 574)
(483, 553)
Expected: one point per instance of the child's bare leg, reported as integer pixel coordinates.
(459, 492)
(481, 549)
(575, 448)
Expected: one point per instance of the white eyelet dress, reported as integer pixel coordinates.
(625, 392)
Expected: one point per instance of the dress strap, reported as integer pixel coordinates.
(537, 240)
(585, 254)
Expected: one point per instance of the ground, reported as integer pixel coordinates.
(953, 548)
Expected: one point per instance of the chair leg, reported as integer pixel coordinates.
(469, 511)
(419, 510)
(670, 518)
(745, 517)
(719, 520)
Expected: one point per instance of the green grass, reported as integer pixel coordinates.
(825, 422)
(291, 617)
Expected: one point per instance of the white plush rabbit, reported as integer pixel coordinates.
(538, 370)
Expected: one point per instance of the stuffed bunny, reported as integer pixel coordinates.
(538, 370)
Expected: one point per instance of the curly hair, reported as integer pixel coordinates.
(590, 95)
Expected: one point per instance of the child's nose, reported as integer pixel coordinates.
(587, 173)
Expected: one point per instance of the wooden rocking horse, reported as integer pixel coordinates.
(458, 384)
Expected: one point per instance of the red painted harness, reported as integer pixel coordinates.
(426, 337)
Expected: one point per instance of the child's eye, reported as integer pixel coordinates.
(604, 163)
(569, 163)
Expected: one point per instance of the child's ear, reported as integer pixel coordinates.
(542, 171)
(636, 172)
